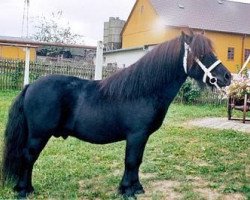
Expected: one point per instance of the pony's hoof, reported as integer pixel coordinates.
(141, 191)
(138, 189)
(126, 191)
(23, 193)
(129, 193)
(129, 197)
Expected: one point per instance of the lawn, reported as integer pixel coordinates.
(180, 162)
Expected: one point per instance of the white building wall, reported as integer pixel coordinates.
(124, 58)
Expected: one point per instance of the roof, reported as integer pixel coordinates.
(19, 41)
(215, 15)
(144, 47)
(11, 41)
(10, 38)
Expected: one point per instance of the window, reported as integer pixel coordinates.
(230, 53)
(247, 53)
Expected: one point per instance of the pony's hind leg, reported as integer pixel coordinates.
(130, 184)
(32, 150)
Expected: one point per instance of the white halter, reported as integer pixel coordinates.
(207, 71)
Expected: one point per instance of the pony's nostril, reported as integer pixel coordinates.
(227, 76)
(213, 80)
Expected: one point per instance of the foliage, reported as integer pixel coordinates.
(17, 75)
(239, 87)
(193, 92)
(195, 159)
(189, 92)
(11, 74)
(52, 29)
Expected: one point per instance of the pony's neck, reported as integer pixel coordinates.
(171, 89)
(169, 74)
(153, 74)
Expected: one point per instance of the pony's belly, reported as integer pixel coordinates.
(98, 131)
(99, 138)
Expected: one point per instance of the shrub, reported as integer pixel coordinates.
(189, 92)
(193, 93)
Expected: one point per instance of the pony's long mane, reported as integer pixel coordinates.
(157, 68)
(147, 75)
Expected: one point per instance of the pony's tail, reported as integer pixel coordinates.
(14, 141)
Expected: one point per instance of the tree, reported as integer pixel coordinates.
(50, 30)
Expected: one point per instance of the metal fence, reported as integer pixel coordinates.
(12, 71)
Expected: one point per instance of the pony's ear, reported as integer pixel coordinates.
(203, 32)
(187, 35)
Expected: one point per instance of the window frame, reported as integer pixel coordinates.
(230, 53)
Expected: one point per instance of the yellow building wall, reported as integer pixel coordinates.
(221, 42)
(144, 27)
(13, 52)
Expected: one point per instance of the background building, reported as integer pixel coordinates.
(112, 33)
(14, 48)
(226, 23)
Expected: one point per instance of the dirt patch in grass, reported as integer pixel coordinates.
(207, 193)
(174, 190)
(202, 188)
(234, 197)
(164, 189)
(210, 194)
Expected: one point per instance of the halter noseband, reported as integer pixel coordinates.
(207, 71)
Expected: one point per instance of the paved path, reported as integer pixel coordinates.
(221, 123)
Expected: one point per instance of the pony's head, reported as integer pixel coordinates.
(201, 63)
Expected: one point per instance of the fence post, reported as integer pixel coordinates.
(27, 66)
(99, 61)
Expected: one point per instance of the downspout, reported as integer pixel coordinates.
(242, 50)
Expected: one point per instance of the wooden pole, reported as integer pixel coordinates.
(27, 66)
(99, 61)
(245, 64)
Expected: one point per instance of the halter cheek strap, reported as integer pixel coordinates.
(207, 71)
(187, 49)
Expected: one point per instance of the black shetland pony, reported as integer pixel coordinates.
(130, 105)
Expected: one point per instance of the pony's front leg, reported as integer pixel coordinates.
(130, 184)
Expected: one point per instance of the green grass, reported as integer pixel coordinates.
(190, 161)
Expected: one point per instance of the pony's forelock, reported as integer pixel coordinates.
(201, 45)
